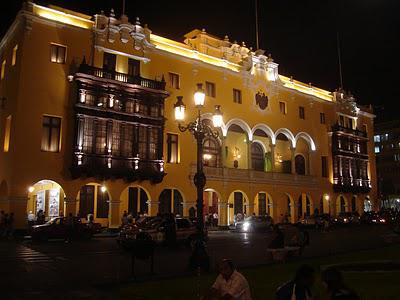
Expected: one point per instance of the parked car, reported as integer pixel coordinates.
(185, 230)
(379, 219)
(254, 223)
(309, 221)
(347, 218)
(57, 228)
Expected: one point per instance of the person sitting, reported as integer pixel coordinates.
(300, 287)
(230, 284)
(333, 281)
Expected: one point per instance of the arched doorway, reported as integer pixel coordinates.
(236, 201)
(170, 200)
(257, 157)
(211, 152)
(304, 206)
(341, 204)
(210, 201)
(283, 154)
(94, 199)
(263, 204)
(137, 201)
(300, 164)
(46, 196)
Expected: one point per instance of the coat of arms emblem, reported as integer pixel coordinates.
(262, 100)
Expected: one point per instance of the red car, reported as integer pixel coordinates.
(58, 228)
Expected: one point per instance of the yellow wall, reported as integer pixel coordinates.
(43, 88)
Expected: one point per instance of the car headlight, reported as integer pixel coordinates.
(345, 220)
(246, 226)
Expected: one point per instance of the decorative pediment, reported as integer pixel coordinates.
(110, 29)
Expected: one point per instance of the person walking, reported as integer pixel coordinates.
(300, 287)
(31, 219)
(332, 279)
(230, 284)
(215, 219)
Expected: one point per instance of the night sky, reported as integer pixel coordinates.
(301, 35)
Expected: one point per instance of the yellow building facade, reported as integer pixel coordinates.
(285, 148)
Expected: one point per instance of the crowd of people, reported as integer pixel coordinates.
(6, 224)
(231, 284)
(211, 219)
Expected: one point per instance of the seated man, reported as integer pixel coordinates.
(230, 284)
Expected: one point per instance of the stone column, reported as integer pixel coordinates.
(152, 208)
(222, 213)
(273, 157)
(309, 164)
(114, 214)
(249, 166)
(293, 165)
(223, 152)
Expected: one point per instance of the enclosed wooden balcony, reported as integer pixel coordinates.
(121, 77)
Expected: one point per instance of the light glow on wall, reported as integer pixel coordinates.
(62, 17)
(184, 50)
(305, 88)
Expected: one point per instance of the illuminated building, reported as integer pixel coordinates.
(387, 151)
(87, 122)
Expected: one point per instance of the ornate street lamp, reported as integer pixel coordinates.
(200, 131)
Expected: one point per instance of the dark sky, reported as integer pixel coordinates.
(300, 35)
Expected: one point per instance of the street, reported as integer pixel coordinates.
(55, 268)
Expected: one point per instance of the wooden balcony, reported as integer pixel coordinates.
(129, 169)
(346, 130)
(253, 176)
(122, 77)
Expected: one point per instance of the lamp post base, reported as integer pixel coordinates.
(199, 258)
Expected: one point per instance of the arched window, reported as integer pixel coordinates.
(169, 198)
(257, 157)
(211, 152)
(262, 204)
(238, 203)
(137, 200)
(300, 164)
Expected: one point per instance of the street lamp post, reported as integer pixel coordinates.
(200, 131)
